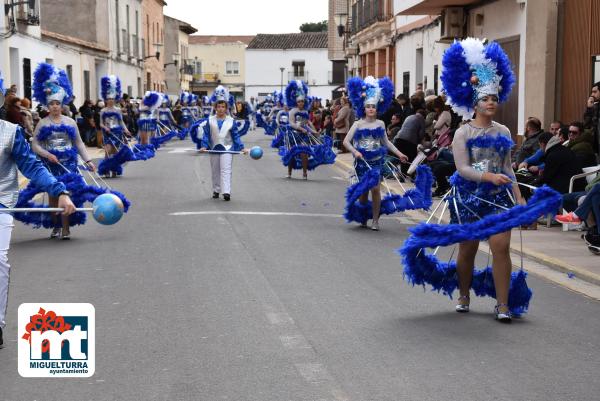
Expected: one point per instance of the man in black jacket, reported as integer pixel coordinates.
(561, 164)
(530, 145)
(591, 117)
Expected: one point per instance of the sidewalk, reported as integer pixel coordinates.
(564, 252)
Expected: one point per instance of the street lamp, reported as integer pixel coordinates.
(342, 20)
(157, 46)
(281, 87)
(176, 58)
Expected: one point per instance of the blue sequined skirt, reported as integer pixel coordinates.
(114, 137)
(166, 123)
(186, 118)
(67, 159)
(297, 138)
(147, 125)
(476, 200)
(361, 167)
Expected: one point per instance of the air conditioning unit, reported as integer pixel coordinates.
(453, 24)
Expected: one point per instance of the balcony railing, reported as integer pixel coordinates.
(206, 77)
(368, 12)
(302, 76)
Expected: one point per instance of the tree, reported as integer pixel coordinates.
(314, 27)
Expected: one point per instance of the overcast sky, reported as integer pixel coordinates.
(246, 17)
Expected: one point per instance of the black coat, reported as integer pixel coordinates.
(561, 165)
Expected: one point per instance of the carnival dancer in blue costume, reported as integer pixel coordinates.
(148, 120)
(206, 107)
(195, 108)
(166, 121)
(476, 78)
(114, 130)
(221, 136)
(165, 116)
(187, 118)
(263, 111)
(56, 138)
(282, 120)
(368, 142)
(302, 149)
(16, 155)
(271, 120)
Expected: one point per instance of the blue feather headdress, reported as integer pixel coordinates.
(205, 100)
(1, 83)
(184, 98)
(166, 100)
(51, 83)
(379, 92)
(472, 70)
(152, 100)
(221, 93)
(294, 91)
(278, 98)
(110, 87)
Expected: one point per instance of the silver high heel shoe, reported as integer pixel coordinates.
(463, 307)
(503, 316)
(55, 232)
(375, 225)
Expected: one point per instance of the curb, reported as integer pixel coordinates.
(558, 265)
(550, 262)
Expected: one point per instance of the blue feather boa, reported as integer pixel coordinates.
(416, 198)
(318, 154)
(424, 269)
(115, 162)
(293, 156)
(279, 139)
(157, 141)
(143, 152)
(80, 193)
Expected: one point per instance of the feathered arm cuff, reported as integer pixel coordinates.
(205, 143)
(236, 137)
(243, 128)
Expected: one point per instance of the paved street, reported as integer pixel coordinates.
(272, 297)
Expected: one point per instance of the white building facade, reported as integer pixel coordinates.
(421, 40)
(274, 60)
(111, 44)
(418, 54)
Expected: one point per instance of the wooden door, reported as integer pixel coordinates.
(508, 113)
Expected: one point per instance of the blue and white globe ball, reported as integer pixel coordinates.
(107, 209)
(256, 152)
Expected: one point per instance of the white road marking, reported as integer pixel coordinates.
(294, 342)
(182, 150)
(401, 219)
(279, 318)
(250, 213)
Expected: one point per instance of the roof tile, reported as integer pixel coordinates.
(302, 40)
(219, 39)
